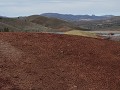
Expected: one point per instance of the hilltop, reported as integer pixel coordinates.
(89, 22)
(36, 23)
(70, 17)
(42, 61)
(20, 25)
(54, 23)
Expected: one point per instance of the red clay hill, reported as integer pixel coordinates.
(41, 61)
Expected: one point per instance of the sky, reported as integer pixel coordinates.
(13, 8)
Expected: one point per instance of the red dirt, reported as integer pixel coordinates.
(37, 61)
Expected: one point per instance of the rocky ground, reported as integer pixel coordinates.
(41, 61)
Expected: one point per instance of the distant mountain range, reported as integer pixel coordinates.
(70, 17)
(110, 24)
(89, 22)
(54, 22)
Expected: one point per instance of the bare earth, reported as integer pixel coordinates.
(38, 61)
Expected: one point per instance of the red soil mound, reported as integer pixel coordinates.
(37, 61)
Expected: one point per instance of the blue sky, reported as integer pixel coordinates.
(29, 7)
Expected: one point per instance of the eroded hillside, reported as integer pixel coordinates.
(38, 61)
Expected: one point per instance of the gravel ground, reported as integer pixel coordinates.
(41, 61)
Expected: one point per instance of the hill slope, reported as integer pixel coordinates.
(39, 61)
(36, 23)
(54, 23)
(18, 25)
(11, 28)
(87, 22)
(111, 24)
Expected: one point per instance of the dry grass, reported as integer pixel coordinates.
(81, 33)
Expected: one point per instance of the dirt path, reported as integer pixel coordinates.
(9, 51)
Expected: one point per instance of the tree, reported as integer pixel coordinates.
(6, 29)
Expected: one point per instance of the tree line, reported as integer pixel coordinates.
(5, 29)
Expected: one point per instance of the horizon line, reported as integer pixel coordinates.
(59, 13)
